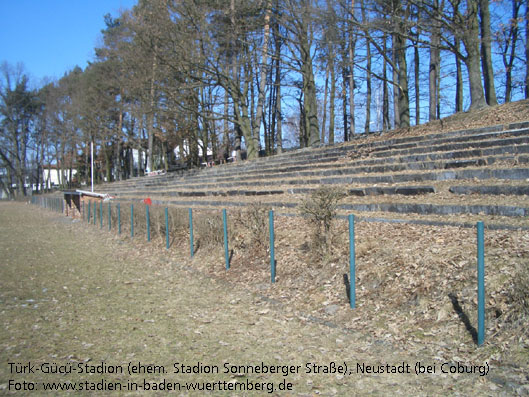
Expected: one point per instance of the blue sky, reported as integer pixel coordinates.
(51, 37)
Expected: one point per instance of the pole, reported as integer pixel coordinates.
(92, 164)
(352, 264)
(148, 221)
(226, 249)
(272, 253)
(166, 228)
(132, 220)
(191, 231)
(481, 283)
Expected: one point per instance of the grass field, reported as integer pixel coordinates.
(97, 309)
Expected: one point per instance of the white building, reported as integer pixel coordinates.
(51, 177)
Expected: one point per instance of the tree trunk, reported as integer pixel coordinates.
(344, 105)
(512, 40)
(486, 57)
(404, 99)
(472, 60)
(119, 169)
(325, 94)
(150, 117)
(416, 70)
(310, 108)
(275, 127)
(107, 151)
(526, 51)
(331, 101)
(367, 124)
(279, 118)
(386, 125)
(396, 112)
(240, 104)
(435, 63)
(226, 135)
(352, 44)
(459, 79)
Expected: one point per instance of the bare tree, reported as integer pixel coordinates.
(486, 56)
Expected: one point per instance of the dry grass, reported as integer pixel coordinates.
(251, 231)
(133, 301)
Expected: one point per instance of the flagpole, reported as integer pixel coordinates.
(92, 164)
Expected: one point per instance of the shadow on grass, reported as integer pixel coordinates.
(463, 317)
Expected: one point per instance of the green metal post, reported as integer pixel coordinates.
(481, 283)
(226, 249)
(132, 220)
(119, 219)
(352, 264)
(272, 253)
(148, 221)
(88, 214)
(101, 215)
(109, 217)
(191, 231)
(166, 228)
(95, 212)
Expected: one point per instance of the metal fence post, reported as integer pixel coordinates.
(226, 249)
(101, 215)
(109, 217)
(119, 219)
(132, 220)
(148, 222)
(191, 232)
(272, 253)
(481, 283)
(166, 228)
(352, 264)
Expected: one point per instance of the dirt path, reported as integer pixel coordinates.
(75, 299)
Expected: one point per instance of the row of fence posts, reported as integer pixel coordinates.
(52, 203)
(58, 206)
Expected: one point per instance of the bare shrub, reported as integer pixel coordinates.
(319, 210)
(252, 229)
(157, 215)
(178, 221)
(518, 296)
(209, 229)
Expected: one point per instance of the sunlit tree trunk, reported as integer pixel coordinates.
(486, 56)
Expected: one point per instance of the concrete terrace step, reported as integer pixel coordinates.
(421, 141)
(397, 208)
(332, 153)
(366, 191)
(408, 177)
(309, 158)
(341, 169)
(421, 177)
(392, 141)
(487, 156)
(330, 170)
(491, 190)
